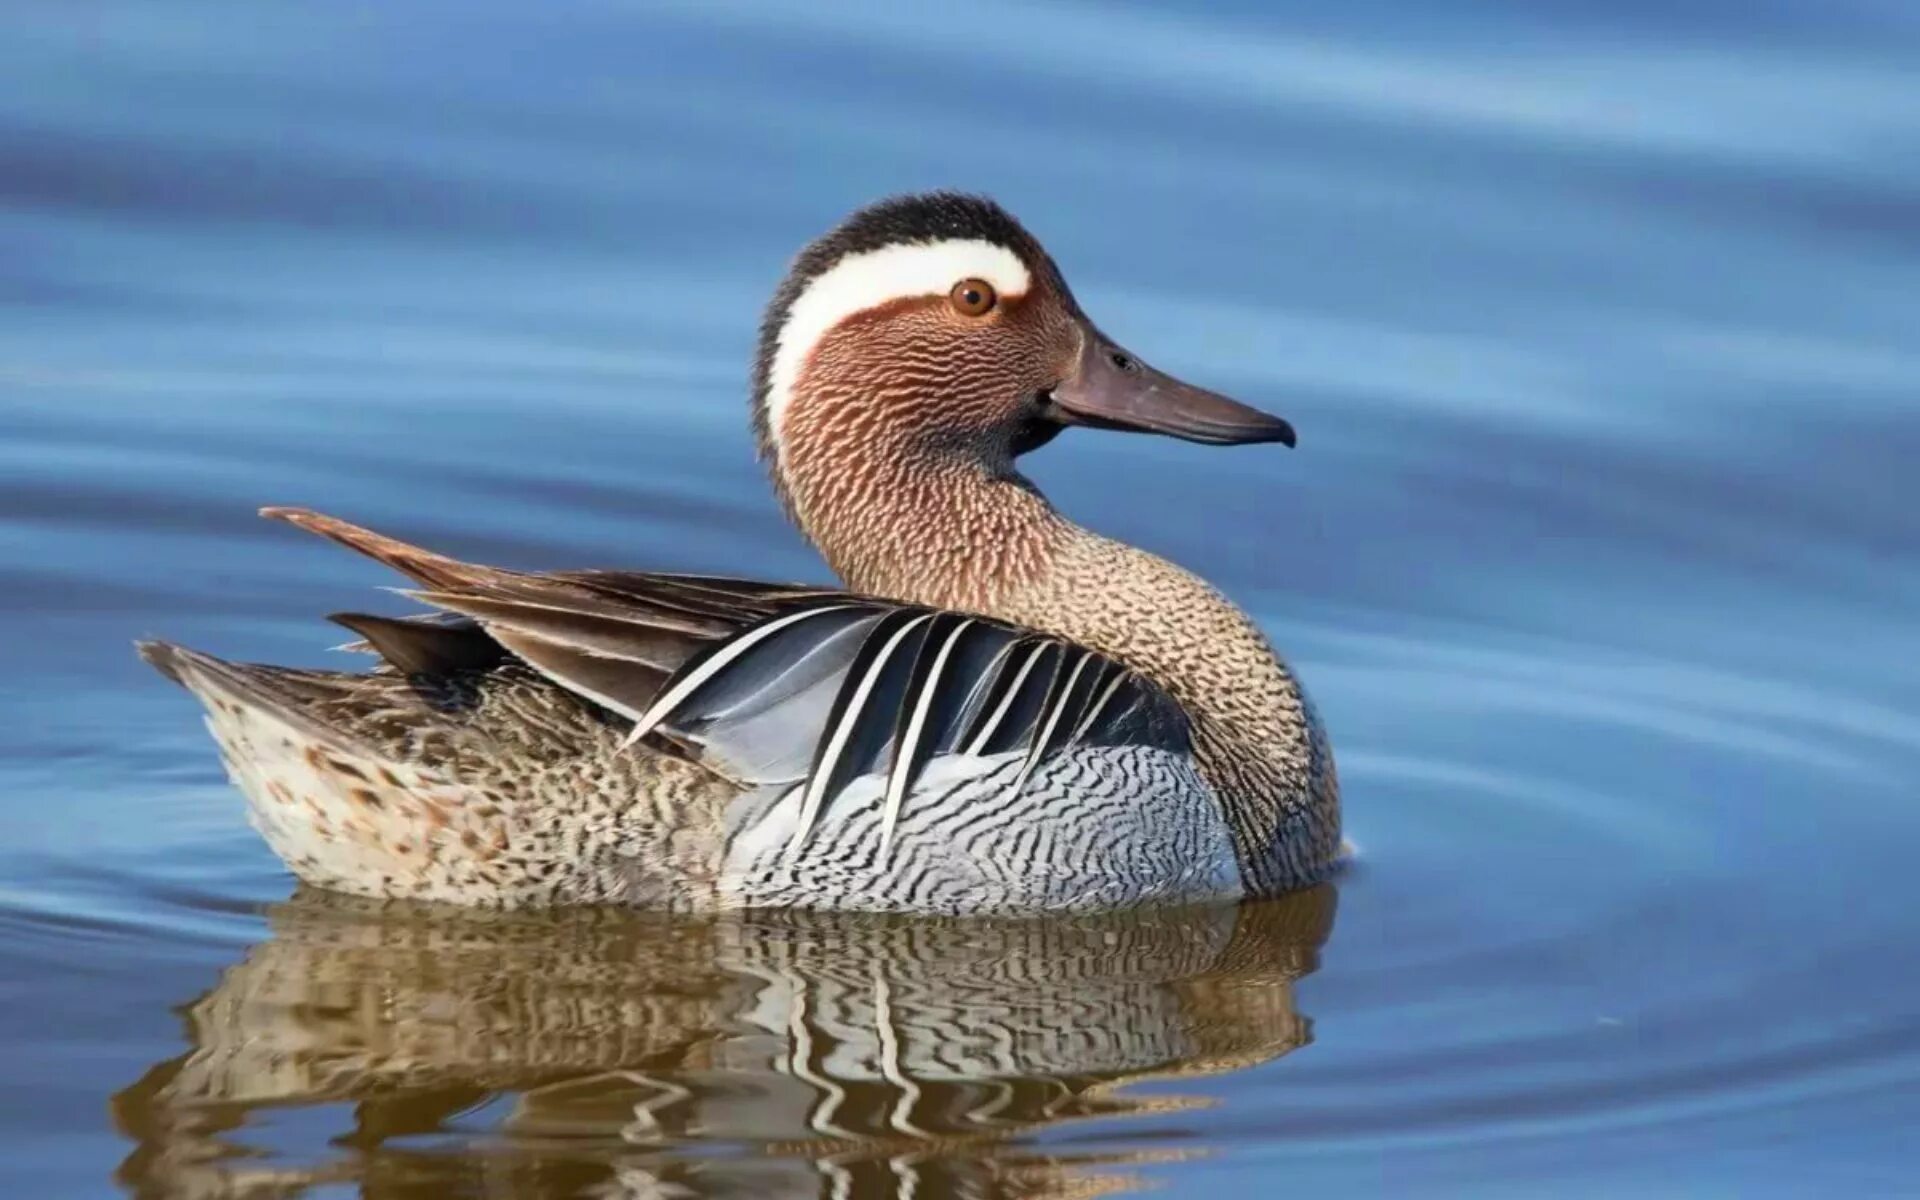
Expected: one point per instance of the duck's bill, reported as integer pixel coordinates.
(1111, 389)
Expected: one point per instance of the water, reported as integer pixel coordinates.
(1601, 553)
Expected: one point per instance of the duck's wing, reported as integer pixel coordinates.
(770, 684)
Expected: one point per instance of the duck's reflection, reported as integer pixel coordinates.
(427, 1052)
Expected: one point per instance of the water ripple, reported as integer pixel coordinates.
(1598, 555)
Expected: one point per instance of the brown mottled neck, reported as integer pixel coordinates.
(914, 520)
(953, 529)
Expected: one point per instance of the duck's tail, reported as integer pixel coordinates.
(166, 658)
(235, 692)
(340, 809)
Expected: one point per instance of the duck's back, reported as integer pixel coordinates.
(664, 740)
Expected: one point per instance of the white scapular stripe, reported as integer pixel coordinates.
(849, 719)
(1093, 714)
(713, 666)
(979, 741)
(859, 282)
(1047, 727)
(910, 738)
(983, 680)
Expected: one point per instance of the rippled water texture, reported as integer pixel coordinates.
(1601, 553)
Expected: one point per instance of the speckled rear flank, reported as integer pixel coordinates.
(500, 791)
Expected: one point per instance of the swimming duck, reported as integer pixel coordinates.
(1001, 711)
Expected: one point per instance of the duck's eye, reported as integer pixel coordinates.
(973, 297)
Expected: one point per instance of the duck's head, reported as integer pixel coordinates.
(934, 329)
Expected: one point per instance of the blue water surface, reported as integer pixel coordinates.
(1600, 552)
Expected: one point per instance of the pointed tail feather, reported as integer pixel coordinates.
(164, 657)
(431, 645)
(236, 688)
(434, 570)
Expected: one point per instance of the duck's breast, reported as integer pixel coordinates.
(1091, 828)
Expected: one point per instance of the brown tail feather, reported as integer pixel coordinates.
(434, 570)
(164, 657)
(424, 647)
(232, 687)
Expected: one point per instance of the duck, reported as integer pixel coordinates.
(998, 711)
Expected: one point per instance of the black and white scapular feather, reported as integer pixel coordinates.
(774, 686)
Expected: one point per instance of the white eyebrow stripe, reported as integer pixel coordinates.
(859, 282)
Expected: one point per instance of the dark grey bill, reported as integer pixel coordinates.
(1111, 389)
